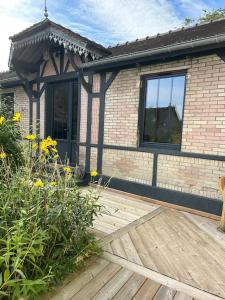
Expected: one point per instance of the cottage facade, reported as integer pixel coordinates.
(149, 114)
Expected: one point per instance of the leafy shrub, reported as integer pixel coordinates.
(44, 219)
(10, 137)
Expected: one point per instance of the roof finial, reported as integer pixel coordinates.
(46, 10)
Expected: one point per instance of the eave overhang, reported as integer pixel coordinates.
(57, 37)
(54, 34)
(189, 47)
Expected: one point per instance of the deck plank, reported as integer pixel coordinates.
(93, 286)
(150, 253)
(147, 291)
(130, 288)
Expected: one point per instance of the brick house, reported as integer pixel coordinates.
(149, 113)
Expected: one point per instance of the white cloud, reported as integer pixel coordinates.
(106, 21)
(193, 8)
(11, 22)
(9, 26)
(130, 19)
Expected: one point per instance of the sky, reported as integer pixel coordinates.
(106, 21)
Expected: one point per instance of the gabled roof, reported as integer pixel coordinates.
(186, 40)
(49, 30)
(8, 76)
(209, 35)
(185, 34)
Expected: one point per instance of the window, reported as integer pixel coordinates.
(163, 110)
(8, 99)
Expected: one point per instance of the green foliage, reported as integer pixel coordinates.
(212, 15)
(10, 137)
(207, 16)
(44, 221)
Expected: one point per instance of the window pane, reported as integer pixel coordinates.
(177, 109)
(163, 115)
(150, 110)
(163, 110)
(60, 114)
(8, 100)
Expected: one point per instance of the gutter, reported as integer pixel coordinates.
(160, 50)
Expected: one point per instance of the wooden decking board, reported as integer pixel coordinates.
(162, 279)
(147, 291)
(132, 210)
(209, 226)
(173, 246)
(130, 288)
(79, 281)
(137, 222)
(97, 283)
(128, 201)
(150, 253)
(130, 250)
(117, 248)
(164, 293)
(182, 296)
(112, 287)
(207, 253)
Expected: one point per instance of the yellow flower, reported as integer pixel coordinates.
(94, 173)
(39, 183)
(50, 142)
(2, 120)
(52, 184)
(16, 117)
(48, 145)
(34, 146)
(30, 137)
(2, 155)
(67, 169)
(55, 157)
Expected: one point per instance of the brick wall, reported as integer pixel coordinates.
(190, 175)
(129, 165)
(203, 128)
(204, 117)
(21, 104)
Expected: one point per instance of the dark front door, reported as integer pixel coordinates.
(61, 117)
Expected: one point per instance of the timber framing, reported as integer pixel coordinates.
(48, 42)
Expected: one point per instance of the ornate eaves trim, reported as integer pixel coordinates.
(59, 37)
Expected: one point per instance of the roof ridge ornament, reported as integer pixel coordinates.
(46, 10)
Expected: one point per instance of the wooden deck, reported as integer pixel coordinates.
(150, 252)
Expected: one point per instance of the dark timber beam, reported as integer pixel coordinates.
(86, 85)
(61, 60)
(89, 125)
(38, 115)
(43, 69)
(104, 85)
(67, 66)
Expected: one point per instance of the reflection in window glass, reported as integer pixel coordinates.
(60, 111)
(8, 100)
(164, 109)
(74, 111)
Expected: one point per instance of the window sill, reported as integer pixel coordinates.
(160, 146)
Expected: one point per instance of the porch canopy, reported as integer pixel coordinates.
(32, 46)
